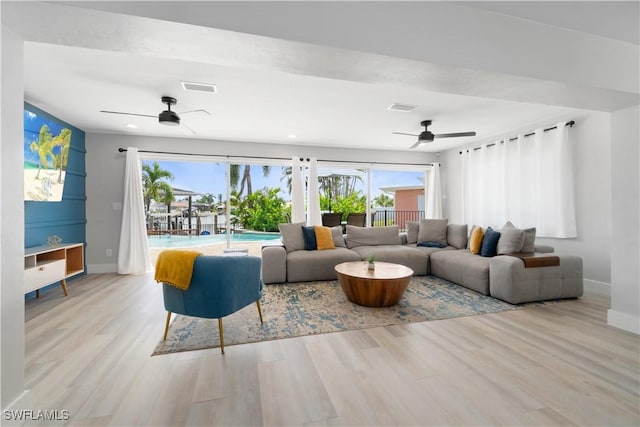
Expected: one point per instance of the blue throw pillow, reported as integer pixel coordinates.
(431, 245)
(490, 243)
(309, 236)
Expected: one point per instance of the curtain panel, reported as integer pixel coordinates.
(528, 181)
(297, 191)
(133, 253)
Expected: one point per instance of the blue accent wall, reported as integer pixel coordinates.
(68, 217)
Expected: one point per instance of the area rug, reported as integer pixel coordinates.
(297, 309)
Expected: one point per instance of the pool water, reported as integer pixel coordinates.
(168, 241)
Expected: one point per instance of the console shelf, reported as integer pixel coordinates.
(44, 265)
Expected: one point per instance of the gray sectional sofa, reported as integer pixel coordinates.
(506, 277)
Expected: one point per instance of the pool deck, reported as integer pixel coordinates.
(215, 249)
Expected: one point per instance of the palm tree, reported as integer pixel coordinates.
(44, 147)
(383, 201)
(153, 185)
(167, 197)
(246, 177)
(63, 141)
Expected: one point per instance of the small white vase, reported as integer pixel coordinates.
(371, 266)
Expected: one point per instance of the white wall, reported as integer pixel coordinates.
(12, 359)
(591, 139)
(105, 177)
(625, 220)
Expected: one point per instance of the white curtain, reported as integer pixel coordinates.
(528, 182)
(433, 208)
(314, 217)
(297, 192)
(133, 253)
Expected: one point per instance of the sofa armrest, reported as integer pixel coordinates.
(274, 264)
(543, 249)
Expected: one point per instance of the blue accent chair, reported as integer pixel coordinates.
(220, 285)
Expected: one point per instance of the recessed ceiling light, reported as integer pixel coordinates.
(132, 126)
(199, 87)
(292, 136)
(404, 108)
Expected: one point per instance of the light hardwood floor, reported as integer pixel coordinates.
(556, 364)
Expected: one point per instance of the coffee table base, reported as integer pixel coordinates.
(372, 292)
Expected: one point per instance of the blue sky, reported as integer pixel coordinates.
(210, 178)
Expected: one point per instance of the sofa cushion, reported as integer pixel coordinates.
(528, 244)
(433, 230)
(324, 239)
(462, 267)
(475, 241)
(411, 257)
(338, 237)
(490, 243)
(457, 235)
(309, 237)
(305, 266)
(510, 242)
(291, 236)
(412, 232)
(372, 236)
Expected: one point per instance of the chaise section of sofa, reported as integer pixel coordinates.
(513, 282)
(462, 267)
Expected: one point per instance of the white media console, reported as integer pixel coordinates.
(44, 265)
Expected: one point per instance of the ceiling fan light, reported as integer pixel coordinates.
(169, 118)
(426, 136)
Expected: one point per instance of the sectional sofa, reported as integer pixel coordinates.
(514, 277)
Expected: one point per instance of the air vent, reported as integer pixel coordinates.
(405, 108)
(199, 87)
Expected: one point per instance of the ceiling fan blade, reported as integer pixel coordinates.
(191, 131)
(417, 144)
(128, 114)
(402, 133)
(452, 135)
(195, 111)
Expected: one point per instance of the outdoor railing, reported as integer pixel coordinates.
(385, 218)
(159, 224)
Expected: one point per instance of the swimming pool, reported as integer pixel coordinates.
(168, 241)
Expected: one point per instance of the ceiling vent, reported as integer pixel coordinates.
(199, 87)
(405, 108)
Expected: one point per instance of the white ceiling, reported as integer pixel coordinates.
(342, 103)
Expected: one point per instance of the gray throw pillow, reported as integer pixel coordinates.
(412, 231)
(510, 242)
(529, 240)
(433, 230)
(528, 244)
(457, 235)
(291, 235)
(372, 236)
(338, 238)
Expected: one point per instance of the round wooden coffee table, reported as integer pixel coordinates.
(382, 287)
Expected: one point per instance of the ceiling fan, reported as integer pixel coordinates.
(426, 136)
(166, 117)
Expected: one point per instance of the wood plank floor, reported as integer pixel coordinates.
(556, 364)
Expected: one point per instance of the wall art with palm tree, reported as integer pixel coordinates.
(46, 153)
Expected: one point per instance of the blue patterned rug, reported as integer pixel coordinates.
(297, 309)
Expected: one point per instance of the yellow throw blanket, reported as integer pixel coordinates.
(175, 267)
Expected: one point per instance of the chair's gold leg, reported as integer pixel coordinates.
(220, 331)
(166, 326)
(259, 310)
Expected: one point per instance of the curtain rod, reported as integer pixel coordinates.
(570, 123)
(121, 150)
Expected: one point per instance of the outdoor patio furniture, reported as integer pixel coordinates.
(357, 219)
(331, 219)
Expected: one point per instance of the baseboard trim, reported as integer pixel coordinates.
(22, 403)
(102, 268)
(598, 288)
(625, 321)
